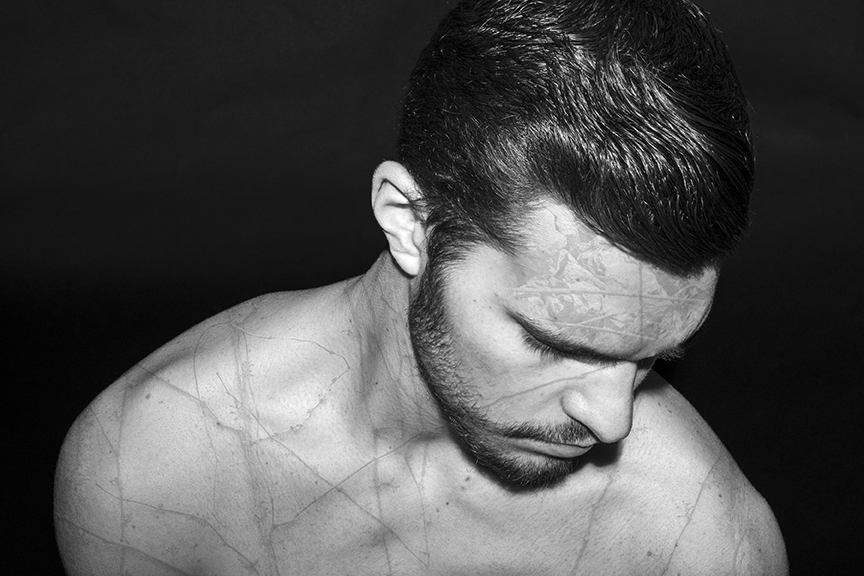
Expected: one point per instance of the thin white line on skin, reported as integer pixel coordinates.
(607, 330)
(573, 292)
(577, 280)
(538, 387)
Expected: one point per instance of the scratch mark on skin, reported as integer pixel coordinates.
(575, 274)
(194, 518)
(116, 452)
(255, 431)
(102, 428)
(386, 360)
(587, 324)
(739, 540)
(690, 514)
(204, 410)
(377, 481)
(173, 386)
(338, 488)
(122, 420)
(332, 487)
(591, 520)
(247, 367)
(574, 292)
(329, 386)
(269, 489)
(422, 513)
(609, 316)
(247, 406)
(243, 370)
(124, 549)
(237, 406)
(741, 529)
(538, 387)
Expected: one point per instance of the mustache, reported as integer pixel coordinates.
(567, 433)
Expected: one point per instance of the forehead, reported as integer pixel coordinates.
(575, 281)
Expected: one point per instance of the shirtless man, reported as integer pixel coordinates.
(570, 177)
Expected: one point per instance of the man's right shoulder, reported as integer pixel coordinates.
(161, 456)
(701, 504)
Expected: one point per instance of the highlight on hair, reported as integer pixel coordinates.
(627, 111)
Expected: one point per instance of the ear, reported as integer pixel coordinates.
(393, 190)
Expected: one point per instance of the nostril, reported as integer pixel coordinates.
(608, 416)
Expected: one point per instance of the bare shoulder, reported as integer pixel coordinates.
(156, 475)
(703, 503)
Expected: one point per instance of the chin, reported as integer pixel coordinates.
(517, 469)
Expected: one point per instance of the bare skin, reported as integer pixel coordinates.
(293, 435)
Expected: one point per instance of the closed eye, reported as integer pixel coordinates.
(571, 352)
(544, 350)
(583, 354)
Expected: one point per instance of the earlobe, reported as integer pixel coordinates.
(393, 192)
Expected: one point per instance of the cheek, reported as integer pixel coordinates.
(491, 359)
(495, 363)
(532, 392)
(483, 342)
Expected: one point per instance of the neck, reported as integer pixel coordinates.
(394, 396)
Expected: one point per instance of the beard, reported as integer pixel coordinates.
(440, 367)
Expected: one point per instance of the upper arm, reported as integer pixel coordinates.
(719, 523)
(87, 511)
(762, 550)
(121, 465)
(154, 477)
(729, 529)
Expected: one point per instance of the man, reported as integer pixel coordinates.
(571, 175)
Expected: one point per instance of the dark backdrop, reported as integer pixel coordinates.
(161, 161)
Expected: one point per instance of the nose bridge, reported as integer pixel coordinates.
(603, 401)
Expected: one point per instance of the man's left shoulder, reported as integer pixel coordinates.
(716, 521)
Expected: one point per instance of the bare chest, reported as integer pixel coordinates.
(405, 514)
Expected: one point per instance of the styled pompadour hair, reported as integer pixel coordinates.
(627, 111)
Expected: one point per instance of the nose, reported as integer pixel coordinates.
(603, 401)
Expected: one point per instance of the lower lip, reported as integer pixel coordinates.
(552, 449)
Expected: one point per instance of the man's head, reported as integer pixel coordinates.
(571, 175)
(536, 357)
(629, 112)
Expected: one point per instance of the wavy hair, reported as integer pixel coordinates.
(627, 111)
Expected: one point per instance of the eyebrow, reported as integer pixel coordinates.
(579, 351)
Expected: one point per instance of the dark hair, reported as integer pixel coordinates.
(628, 111)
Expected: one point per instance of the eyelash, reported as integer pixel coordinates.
(544, 350)
(547, 351)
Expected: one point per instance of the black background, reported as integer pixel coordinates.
(161, 161)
